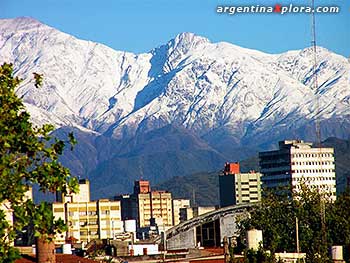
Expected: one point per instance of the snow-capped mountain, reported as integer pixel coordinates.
(227, 95)
(189, 81)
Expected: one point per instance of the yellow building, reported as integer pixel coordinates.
(88, 220)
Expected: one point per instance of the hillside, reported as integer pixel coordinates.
(206, 185)
(202, 188)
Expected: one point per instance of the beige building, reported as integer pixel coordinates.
(88, 220)
(157, 205)
(6, 206)
(177, 205)
(145, 206)
(238, 188)
(248, 187)
(82, 196)
(190, 212)
(297, 161)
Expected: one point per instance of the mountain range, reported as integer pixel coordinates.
(184, 107)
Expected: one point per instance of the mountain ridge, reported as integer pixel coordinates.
(182, 50)
(223, 101)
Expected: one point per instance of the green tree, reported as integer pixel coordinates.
(260, 256)
(28, 156)
(311, 207)
(338, 223)
(276, 217)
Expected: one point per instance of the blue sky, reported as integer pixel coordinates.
(140, 25)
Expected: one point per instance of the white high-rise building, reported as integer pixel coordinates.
(297, 161)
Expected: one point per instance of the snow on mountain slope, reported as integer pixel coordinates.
(189, 81)
(80, 77)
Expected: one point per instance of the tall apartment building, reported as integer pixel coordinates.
(87, 220)
(237, 187)
(297, 161)
(177, 205)
(157, 205)
(145, 204)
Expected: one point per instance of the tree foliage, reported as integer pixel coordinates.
(28, 156)
(321, 223)
(259, 256)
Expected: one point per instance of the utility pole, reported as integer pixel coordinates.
(297, 233)
(226, 250)
(323, 222)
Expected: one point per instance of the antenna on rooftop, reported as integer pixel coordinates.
(194, 197)
(141, 172)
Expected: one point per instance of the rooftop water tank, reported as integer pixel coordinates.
(254, 238)
(130, 225)
(337, 252)
(67, 249)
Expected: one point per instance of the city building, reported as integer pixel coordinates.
(6, 206)
(237, 188)
(297, 161)
(129, 207)
(142, 187)
(82, 196)
(157, 205)
(188, 213)
(177, 205)
(145, 205)
(87, 220)
(23, 237)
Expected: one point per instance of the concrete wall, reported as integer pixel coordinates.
(228, 226)
(183, 240)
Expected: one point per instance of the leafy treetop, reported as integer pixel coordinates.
(28, 156)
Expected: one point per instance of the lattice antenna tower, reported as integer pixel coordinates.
(317, 120)
(315, 72)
